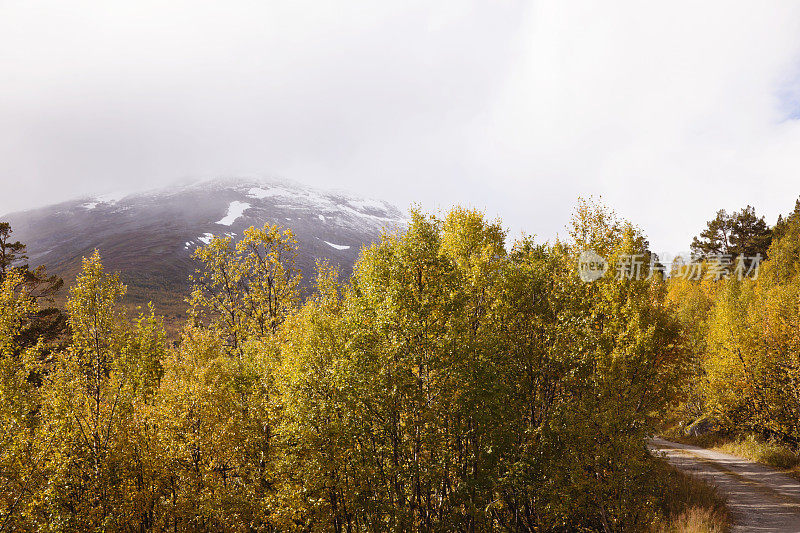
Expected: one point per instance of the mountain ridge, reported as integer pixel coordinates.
(149, 236)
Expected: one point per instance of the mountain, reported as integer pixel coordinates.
(149, 236)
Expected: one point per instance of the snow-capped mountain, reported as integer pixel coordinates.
(149, 237)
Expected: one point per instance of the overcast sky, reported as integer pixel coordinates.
(669, 110)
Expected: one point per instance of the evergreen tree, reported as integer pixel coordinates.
(11, 253)
(783, 222)
(741, 233)
(750, 234)
(715, 239)
(48, 323)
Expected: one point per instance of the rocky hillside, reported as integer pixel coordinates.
(149, 237)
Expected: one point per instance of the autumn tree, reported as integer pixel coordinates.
(456, 382)
(320, 484)
(246, 289)
(638, 360)
(744, 336)
(96, 466)
(752, 366)
(21, 452)
(692, 301)
(215, 404)
(456, 386)
(214, 418)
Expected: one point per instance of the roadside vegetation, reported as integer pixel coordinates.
(743, 394)
(690, 505)
(770, 453)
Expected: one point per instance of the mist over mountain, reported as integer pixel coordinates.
(149, 236)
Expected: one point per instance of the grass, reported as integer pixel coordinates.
(769, 453)
(690, 505)
(696, 520)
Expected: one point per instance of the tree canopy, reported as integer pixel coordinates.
(453, 383)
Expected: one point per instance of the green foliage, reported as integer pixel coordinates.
(783, 222)
(750, 234)
(47, 323)
(452, 384)
(10, 252)
(739, 233)
(455, 386)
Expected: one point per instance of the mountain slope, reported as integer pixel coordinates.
(149, 237)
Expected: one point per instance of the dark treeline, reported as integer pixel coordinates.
(451, 384)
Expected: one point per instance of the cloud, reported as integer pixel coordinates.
(669, 111)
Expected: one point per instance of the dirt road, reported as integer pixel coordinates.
(760, 498)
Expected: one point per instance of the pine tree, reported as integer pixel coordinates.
(740, 233)
(11, 253)
(49, 322)
(750, 234)
(715, 239)
(783, 222)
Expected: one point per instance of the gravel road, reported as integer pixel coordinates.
(760, 498)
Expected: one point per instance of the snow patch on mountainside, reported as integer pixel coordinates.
(205, 238)
(109, 199)
(235, 210)
(336, 208)
(337, 246)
